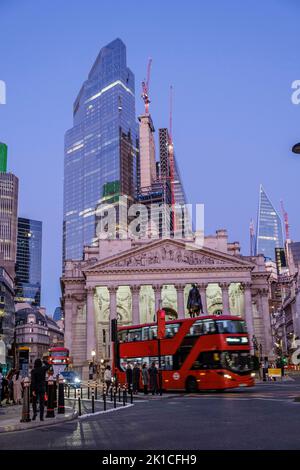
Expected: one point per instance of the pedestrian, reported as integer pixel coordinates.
(17, 387)
(145, 378)
(38, 386)
(107, 377)
(153, 374)
(136, 374)
(129, 376)
(265, 367)
(10, 387)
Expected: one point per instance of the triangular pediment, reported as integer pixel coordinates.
(168, 253)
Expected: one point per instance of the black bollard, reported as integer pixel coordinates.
(88, 390)
(55, 392)
(96, 391)
(25, 418)
(111, 393)
(104, 398)
(61, 395)
(80, 392)
(79, 406)
(124, 402)
(131, 395)
(119, 386)
(68, 391)
(93, 401)
(115, 397)
(50, 402)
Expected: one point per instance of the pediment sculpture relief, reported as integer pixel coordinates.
(166, 256)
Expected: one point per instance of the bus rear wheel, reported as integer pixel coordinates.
(191, 385)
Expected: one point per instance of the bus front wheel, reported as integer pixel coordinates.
(191, 385)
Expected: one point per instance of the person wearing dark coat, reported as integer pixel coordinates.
(153, 374)
(136, 374)
(194, 303)
(145, 378)
(129, 376)
(38, 386)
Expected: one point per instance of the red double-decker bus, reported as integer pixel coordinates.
(202, 353)
(59, 358)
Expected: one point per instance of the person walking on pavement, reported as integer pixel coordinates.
(145, 378)
(194, 303)
(38, 386)
(265, 367)
(107, 378)
(129, 376)
(17, 387)
(136, 378)
(153, 374)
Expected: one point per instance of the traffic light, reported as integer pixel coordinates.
(114, 330)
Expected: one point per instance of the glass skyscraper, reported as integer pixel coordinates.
(269, 228)
(101, 147)
(29, 260)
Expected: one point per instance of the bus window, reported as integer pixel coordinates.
(231, 326)
(209, 327)
(167, 362)
(153, 332)
(145, 333)
(197, 328)
(172, 329)
(208, 360)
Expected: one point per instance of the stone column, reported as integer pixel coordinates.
(225, 297)
(135, 304)
(249, 313)
(180, 300)
(202, 289)
(90, 323)
(157, 292)
(112, 302)
(264, 299)
(68, 320)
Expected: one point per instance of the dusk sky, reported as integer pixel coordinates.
(231, 64)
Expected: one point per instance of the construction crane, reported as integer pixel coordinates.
(252, 238)
(171, 158)
(145, 87)
(286, 221)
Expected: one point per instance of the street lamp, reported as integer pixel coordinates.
(296, 148)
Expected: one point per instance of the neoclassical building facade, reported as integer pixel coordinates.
(130, 279)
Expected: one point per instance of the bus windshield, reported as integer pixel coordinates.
(237, 361)
(58, 353)
(231, 326)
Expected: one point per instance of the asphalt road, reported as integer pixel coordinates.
(264, 417)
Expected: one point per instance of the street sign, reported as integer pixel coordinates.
(274, 372)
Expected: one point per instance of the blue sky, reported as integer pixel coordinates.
(231, 65)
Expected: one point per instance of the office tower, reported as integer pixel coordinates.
(3, 158)
(29, 259)
(147, 151)
(9, 188)
(100, 148)
(269, 228)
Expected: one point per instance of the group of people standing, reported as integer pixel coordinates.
(11, 387)
(148, 376)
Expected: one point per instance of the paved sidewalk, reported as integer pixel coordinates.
(10, 416)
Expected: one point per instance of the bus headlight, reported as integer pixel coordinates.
(227, 376)
(77, 380)
(252, 374)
